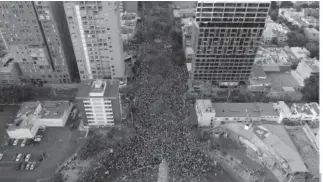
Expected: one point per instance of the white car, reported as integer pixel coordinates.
(1, 156)
(27, 166)
(18, 157)
(23, 143)
(15, 142)
(32, 167)
(27, 157)
(38, 138)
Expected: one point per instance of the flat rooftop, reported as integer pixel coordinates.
(54, 109)
(280, 80)
(111, 91)
(276, 137)
(244, 109)
(270, 55)
(313, 66)
(258, 71)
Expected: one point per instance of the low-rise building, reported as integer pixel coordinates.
(300, 53)
(32, 115)
(213, 114)
(312, 34)
(305, 69)
(25, 125)
(54, 113)
(101, 101)
(274, 31)
(309, 112)
(273, 59)
(10, 72)
(274, 149)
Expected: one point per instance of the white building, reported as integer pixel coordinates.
(298, 111)
(102, 103)
(95, 30)
(305, 69)
(300, 52)
(213, 114)
(34, 114)
(54, 113)
(25, 125)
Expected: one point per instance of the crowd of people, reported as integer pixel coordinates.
(159, 134)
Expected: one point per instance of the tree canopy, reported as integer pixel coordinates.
(314, 49)
(311, 89)
(296, 39)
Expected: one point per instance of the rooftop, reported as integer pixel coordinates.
(273, 55)
(277, 138)
(244, 109)
(258, 71)
(301, 108)
(189, 50)
(313, 65)
(280, 80)
(111, 90)
(26, 116)
(54, 109)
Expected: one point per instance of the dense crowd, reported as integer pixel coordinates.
(158, 113)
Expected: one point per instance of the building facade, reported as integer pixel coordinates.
(36, 34)
(213, 114)
(225, 40)
(96, 36)
(10, 72)
(102, 103)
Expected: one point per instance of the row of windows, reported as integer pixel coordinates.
(236, 78)
(233, 4)
(229, 20)
(220, 63)
(232, 15)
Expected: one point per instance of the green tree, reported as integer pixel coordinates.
(296, 39)
(311, 89)
(314, 49)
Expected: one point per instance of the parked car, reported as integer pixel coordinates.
(33, 166)
(23, 166)
(23, 143)
(15, 142)
(18, 157)
(27, 166)
(1, 156)
(27, 157)
(38, 138)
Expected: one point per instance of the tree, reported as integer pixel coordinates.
(286, 4)
(274, 5)
(58, 177)
(314, 49)
(273, 15)
(296, 39)
(178, 58)
(311, 89)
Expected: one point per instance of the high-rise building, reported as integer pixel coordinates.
(96, 35)
(101, 101)
(225, 39)
(38, 38)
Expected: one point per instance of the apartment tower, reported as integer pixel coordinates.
(96, 35)
(225, 39)
(101, 101)
(38, 38)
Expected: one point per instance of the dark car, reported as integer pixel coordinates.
(18, 167)
(23, 166)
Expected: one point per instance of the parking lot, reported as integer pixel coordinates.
(58, 143)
